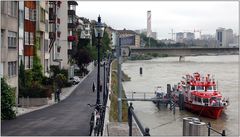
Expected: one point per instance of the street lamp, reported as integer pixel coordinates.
(99, 30)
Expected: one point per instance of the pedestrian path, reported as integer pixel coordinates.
(70, 117)
(64, 94)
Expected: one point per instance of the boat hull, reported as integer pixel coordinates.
(207, 111)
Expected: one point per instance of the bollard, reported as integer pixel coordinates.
(197, 128)
(140, 70)
(209, 128)
(186, 121)
(147, 132)
(223, 133)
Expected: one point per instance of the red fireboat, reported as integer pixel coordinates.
(201, 95)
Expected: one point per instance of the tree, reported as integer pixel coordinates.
(7, 101)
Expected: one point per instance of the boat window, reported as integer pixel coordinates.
(213, 98)
(205, 100)
(214, 88)
(200, 88)
(199, 100)
(192, 87)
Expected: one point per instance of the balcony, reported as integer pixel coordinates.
(28, 50)
(58, 20)
(52, 35)
(70, 52)
(72, 38)
(52, 16)
(72, 2)
(59, 34)
(71, 12)
(71, 25)
(59, 3)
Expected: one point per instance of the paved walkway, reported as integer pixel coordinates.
(68, 118)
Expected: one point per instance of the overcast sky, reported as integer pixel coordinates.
(179, 16)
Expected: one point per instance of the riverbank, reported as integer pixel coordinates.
(114, 96)
(147, 56)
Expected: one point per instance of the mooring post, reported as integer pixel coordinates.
(147, 132)
(209, 128)
(223, 133)
(140, 70)
(130, 118)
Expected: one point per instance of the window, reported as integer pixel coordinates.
(2, 32)
(199, 100)
(200, 88)
(45, 45)
(12, 8)
(46, 25)
(12, 39)
(46, 68)
(28, 62)
(26, 13)
(192, 87)
(26, 36)
(3, 6)
(42, 15)
(32, 14)
(31, 38)
(70, 19)
(12, 69)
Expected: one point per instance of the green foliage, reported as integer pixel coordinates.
(7, 101)
(114, 99)
(60, 79)
(21, 79)
(37, 69)
(153, 42)
(86, 53)
(60, 75)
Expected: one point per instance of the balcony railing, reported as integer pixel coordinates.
(52, 35)
(59, 3)
(71, 12)
(72, 38)
(72, 25)
(58, 33)
(58, 20)
(72, 2)
(28, 50)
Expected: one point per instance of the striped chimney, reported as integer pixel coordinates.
(149, 30)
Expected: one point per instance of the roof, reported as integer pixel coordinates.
(124, 31)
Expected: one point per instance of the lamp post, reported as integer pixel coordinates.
(99, 30)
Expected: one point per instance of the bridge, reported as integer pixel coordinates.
(191, 51)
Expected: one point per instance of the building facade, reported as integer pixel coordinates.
(224, 37)
(9, 43)
(129, 33)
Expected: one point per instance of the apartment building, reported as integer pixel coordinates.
(128, 33)
(72, 33)
(224, 37)
(9, 43)
(42, 8)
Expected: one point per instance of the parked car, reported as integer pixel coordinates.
(74, 80)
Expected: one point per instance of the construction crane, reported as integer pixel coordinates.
(172, 33)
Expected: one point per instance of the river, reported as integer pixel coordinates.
(163, 71)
